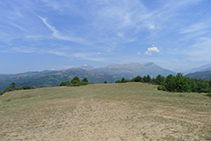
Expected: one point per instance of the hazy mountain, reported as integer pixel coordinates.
(132, 70)
(110, 73)
(87, 67)
(206, 67)
(51, 78)
(4, 75)
(206, 75)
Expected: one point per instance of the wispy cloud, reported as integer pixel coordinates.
(24, 49)
(88, 56)
(58, 35)
(200, 51)
(152, 49)
(195, 27)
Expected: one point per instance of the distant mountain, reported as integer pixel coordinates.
(51, 78)
(110, 73)
(132, 70)
(87, 67)
(206, 67)
(206, 75)
(5, 75)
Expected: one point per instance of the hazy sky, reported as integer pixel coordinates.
(59, 34)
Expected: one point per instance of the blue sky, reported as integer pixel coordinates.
(40, 35)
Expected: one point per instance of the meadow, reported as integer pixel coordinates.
(114, 112)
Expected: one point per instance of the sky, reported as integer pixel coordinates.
(38, 35)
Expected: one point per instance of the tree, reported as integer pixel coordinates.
(105, 82)
(147, 79)
(210, 82)
(202, 86)
(123, 80)
(137, 79)
(159, 79)
(85, 80)
(67, 83)
(12, 87)
(170, 83)
(75, 80)
(193, 84)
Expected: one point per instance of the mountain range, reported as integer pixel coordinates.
(109, 73)
(132, 70)
(206, 75)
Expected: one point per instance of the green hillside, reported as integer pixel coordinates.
(129, 111)
(51, 78)
(206, 75)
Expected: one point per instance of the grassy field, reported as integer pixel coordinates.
(114, 112)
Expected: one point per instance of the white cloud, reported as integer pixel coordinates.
(138, 53)
(151, 50)
(58, 35)
(24, 49)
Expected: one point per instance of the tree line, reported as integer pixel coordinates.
(75, 82)
(13, 87)
(174, 83)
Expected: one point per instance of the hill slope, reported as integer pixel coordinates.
(206, 67)
(51, 78)
(132, 70)
(131, 111)
(206, 75)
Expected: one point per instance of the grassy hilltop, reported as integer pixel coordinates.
(128, 111)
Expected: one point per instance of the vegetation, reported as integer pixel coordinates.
(54, 78)
(13, 87)
(171, 83)
(85, 80)
(75, 82)
(206, 75)
(105, 82)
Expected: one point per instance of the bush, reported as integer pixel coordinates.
(25, 87)
(161, 87)
(75, 80)
(67, 83)
(118, 81)
(85, 80)
(80, 84)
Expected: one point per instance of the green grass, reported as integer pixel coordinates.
(32, 114)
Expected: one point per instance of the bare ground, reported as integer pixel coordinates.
(95, 116)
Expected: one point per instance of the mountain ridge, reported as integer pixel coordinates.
(110, 73)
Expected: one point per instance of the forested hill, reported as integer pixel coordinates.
(51, 78)
(206, 75)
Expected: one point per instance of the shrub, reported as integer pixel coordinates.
(118, 81)
(85, 80)
(25, 87)
(75, 80)
(67, 83)
(161, 87)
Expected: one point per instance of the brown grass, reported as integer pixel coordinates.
(131, 111)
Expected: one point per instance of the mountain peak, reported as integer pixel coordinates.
(87, 67)
(149, 64)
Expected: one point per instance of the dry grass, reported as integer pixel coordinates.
(131, 111)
